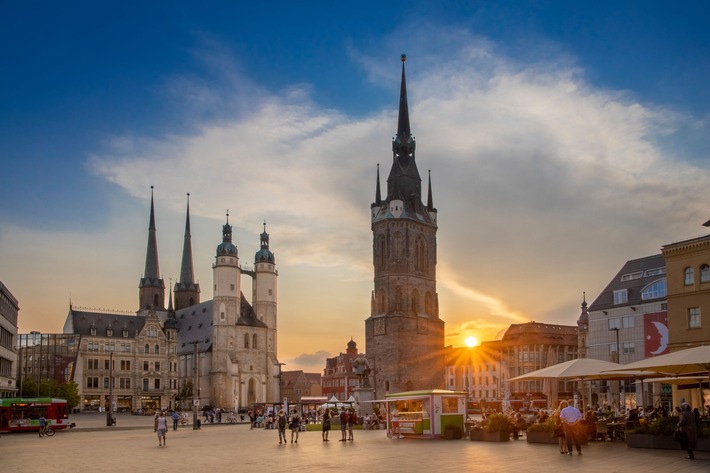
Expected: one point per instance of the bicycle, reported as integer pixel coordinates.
(46, 431)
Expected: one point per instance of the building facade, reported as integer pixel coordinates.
(298, 384)
(628, 321)
(9, 310)
(688, 273)
(225, 347)
(404, 334)
(339, 378)
(532, 346)
(476, 370)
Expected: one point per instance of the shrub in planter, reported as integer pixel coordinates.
(497, 423)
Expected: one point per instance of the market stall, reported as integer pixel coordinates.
(430, 413)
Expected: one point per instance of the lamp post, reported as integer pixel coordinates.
(618, 360)
(109, 410)
(195, 390)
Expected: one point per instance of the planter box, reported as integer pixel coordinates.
(537, 436)
(651, 441)
(483, 436)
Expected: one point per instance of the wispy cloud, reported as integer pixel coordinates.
(545, 183)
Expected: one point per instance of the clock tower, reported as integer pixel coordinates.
(404, 335)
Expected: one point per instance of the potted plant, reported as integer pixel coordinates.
(658, 433)
(542, 432)
(497, 428)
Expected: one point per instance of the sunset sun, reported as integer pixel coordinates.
(471, 342)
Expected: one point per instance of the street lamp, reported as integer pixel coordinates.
(618, 360)
(109, 410)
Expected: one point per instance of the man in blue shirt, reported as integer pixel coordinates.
(571, 420)
(42, 424)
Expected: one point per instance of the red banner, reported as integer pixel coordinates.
(655, 334)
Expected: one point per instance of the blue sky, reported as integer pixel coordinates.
(564, 138)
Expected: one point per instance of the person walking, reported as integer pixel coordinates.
(281, 423)
(326, 424)
(343, 424)
(571, 419)
(560, 428)
(295, 425)
(688, 425)
(161, 427)
(176, 419)
(352, 419)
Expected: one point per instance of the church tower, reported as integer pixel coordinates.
(151, 288)
(404, 335)
(264, 298)
(225, 313)
(187, 292)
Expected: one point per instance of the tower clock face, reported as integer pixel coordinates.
(379, 326)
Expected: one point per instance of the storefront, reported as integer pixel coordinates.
(426, 413)
(150, 403)
(124, 403)
(92, 402)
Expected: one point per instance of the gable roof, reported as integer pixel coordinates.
(634, 276)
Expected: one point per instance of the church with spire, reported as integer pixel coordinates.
(404, 334)
(229, 341)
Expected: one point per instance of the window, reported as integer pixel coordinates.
(654, 290)
(157, 366)
(105, 383)
(614, 324)
(694, 317)
(246, 340)
(655, 272)
(125, 383)
(110, 347)
(145, 384)
(146, 366)
(125, 334)
(629, 348)
(92, 382)
(632, 276)
(621, 296)
(93, 331)
(147, 348)
(157, 383)
(612, 348)
(125, 365)
(253, 341)
(628, 321)
(107, 365)
(157, 349)
(93, 346)
(704, 273)
(689, 276)
(126, 347)
(151, 331)
(93, 364)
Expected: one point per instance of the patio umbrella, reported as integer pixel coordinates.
(689, 361)
(579, 368)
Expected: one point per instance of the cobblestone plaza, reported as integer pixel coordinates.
(132, 446)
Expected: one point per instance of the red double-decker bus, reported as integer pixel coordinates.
(20, 414)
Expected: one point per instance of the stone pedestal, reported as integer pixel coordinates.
(363, 394)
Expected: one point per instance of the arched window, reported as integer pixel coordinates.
(382, 251)
(398, 299)
(415, 301)
(420, 262)
(246, 340)
(251, 392)
(382, 308)
(654, 290)
(253, 341)
(157, 349)
(427, 304)
(147, 348)
(689, 277)
(704, 273)
(155, 300)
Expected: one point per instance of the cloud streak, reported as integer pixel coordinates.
(545, 184)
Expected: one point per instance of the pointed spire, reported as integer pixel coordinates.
(152, 268)
(378, 194)
(187, 275)
(170, 300)
(430, 199)
(403, 130)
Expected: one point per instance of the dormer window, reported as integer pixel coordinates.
(125, 334)
(109, 332)
(93, 330)
(621, 296)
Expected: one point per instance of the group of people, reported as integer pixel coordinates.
(568, 420)
(293, 422)
(347, 418)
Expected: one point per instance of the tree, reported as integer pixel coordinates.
(69, 391)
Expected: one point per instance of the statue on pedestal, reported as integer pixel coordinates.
(362, 369)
